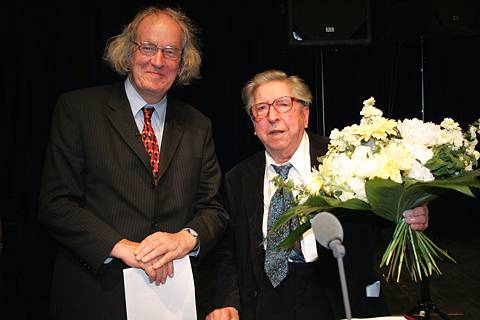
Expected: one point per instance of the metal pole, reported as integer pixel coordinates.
(323, 91)
(422, 78)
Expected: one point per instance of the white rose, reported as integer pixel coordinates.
(342, 165)
(358, 187)
(419, 152)
(418, 132)
(420, 172)
(346, 196)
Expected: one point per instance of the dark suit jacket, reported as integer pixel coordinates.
(242, 255)
(97, 189)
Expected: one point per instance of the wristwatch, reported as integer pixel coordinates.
(192, 232)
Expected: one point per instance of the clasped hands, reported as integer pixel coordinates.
(155, 254)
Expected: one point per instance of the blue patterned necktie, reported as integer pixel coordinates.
(276, 260)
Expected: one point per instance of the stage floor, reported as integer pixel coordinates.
(456, 292)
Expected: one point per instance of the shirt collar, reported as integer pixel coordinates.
(300, 159)
(137, 102)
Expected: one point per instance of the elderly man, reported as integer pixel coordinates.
(131, 177)
(249, 285)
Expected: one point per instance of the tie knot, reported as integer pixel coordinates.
(147, 112)
(282, 170)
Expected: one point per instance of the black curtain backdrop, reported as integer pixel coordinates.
(55, 46)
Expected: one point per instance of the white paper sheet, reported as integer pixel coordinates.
(174, 300)
(381, 318)
(373, 290)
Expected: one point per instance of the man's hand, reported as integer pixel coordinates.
(417, 218)
(227, 313)
(165, 246)
(159, 275)
(124, 250)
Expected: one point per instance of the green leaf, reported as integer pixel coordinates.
(384, 197)
(411, 250)
(289, 214)
(389, 199)
(326, 203)
(294, 236)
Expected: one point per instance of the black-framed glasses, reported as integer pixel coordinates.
(281, 105)
(150, 49)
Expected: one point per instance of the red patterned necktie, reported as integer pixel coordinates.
(150, 142)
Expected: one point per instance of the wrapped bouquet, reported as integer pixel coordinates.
(387, 166)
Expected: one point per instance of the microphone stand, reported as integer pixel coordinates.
(339, 252)
(424, 307)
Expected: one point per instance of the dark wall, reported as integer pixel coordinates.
(52, 47)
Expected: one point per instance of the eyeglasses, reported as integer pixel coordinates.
(150, 49)
(281, 105)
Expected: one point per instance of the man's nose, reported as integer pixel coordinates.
(158, 59)
(272, 114)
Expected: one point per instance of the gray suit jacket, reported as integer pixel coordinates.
(97, 189)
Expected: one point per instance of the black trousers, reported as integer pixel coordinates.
(309, 292)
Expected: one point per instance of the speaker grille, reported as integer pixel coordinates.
(329, 22)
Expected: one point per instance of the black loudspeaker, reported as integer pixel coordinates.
(329, 22)
(431, 18)
(455, 18)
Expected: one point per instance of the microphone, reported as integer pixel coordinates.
(328, 232)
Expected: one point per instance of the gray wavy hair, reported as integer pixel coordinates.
(299, 89)
(119, 49)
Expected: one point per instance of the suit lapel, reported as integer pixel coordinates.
(318, 148)
(172, 133)
(252, 187)
(122, 119)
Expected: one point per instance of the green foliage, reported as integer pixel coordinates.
(446, 162)
(411, 250)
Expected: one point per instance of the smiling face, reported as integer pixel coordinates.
(280, 133)
(153, 76)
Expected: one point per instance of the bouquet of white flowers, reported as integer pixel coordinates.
(387, 166)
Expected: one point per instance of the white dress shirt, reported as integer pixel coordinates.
(137, 103)
(299, 173)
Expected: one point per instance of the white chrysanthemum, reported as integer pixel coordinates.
(369, 110)
(350, 137)
(418, 132)
(473, 153)
(364, 164)
(419, 151)
(394, 159)
(419, 172)
(473, 131)
(346, 195)
(336, 140)
(357, 185)
(378, 128)
(369, 102)
(342, 166)
(335, 134)
(314, 182)
(454, 137)
(449, 124)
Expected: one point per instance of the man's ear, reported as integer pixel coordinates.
(306, 111)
